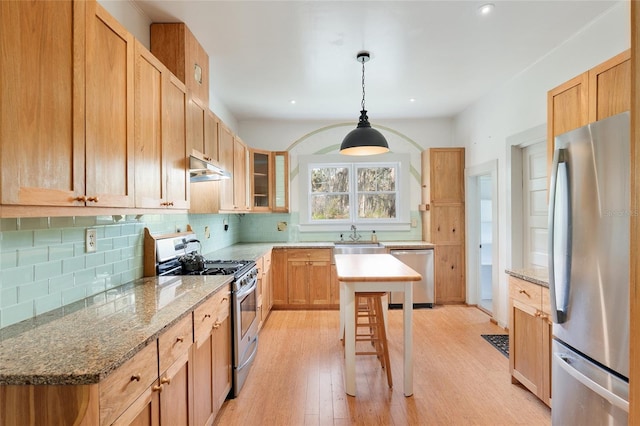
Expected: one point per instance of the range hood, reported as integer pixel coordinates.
(205, 170)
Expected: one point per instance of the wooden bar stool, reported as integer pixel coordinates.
(370, 327)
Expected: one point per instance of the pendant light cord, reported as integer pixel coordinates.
(363, 61)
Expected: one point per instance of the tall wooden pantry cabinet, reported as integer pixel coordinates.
(443, 220)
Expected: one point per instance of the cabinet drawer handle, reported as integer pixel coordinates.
(94, 199)
(207, 315)
(180, 339)
(224, 299)
(135, 378)
(157, 388)
(164, 380)
(524, 292)
(81, 198)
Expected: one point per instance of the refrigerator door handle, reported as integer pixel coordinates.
(559, 236)
(563, 361)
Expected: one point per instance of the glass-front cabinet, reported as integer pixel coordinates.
(280, 182)
(269, 181)
(260, 176)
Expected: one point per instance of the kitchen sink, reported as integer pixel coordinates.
(358, 247)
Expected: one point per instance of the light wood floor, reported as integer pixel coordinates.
(459, 378)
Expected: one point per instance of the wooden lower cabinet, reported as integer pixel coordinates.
(145, 411)
(449, 273)
(530, 334)
(279, 277)
(176, 405)
(212, 357)
(182, 378)
(302, 278)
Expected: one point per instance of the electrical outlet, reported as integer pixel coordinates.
(207, 233)
(414, 222)
(91, 241)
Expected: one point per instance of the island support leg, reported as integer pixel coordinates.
(350, 338)
(408, 338)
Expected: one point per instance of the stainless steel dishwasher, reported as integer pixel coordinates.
(423, 292)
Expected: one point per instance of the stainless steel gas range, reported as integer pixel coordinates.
(180, 256)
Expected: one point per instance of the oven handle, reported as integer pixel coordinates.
(249, 360)
(247, 289)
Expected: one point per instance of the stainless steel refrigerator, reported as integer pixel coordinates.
(589, 209)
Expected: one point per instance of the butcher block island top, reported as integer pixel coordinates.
(373, 268)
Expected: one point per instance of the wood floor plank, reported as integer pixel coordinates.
(459, 379)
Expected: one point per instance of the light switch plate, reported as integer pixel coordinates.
(207, 233)
(91, 241)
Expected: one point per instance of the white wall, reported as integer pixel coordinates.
(520, 104)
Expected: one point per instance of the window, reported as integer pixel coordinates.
(356, 192)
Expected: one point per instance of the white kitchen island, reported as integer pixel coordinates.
(366, 273)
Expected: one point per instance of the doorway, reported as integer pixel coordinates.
(485, 261)
(482, 231)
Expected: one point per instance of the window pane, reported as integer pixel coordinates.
(377, 206)
(377, 179)
(330, 179)
(329, 207)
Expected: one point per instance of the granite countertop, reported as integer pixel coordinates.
(84, 342)
(538, 276)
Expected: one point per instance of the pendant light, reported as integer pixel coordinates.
(364, 140)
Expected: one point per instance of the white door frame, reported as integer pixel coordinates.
(514, 226)
(473, 231)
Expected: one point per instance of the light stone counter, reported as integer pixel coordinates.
(538, 276)
(83, 342)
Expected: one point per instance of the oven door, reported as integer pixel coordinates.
(245, 331)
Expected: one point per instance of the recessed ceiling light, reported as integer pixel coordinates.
(486, 9)
(412, 99)
(292, 101)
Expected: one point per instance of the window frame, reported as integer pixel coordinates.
(402, 163)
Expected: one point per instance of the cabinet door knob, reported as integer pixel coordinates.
(135, 378)
(81, 198)
(164, 380)
(521, 291)
(224, 299)
(93, 199)
(157, 388)
(217, 324)
(207, 315)
(180, 339)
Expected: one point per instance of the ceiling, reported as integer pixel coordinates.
(442, 54)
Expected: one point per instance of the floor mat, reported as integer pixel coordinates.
(498, 341)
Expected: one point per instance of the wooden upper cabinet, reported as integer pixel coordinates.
(42, 113)
(598, 93)
(226, 157)
(445, 168)
(73, 118)
(180, 51)
(210, 143)
(148, 129)
(610, 87)
(109, 107)
(280, 178)
(240, 166)
(260, 180)
(174, 144)
(195, 126)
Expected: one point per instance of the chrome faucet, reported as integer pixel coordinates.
(354, 234)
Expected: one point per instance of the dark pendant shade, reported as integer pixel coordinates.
(364, 140)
